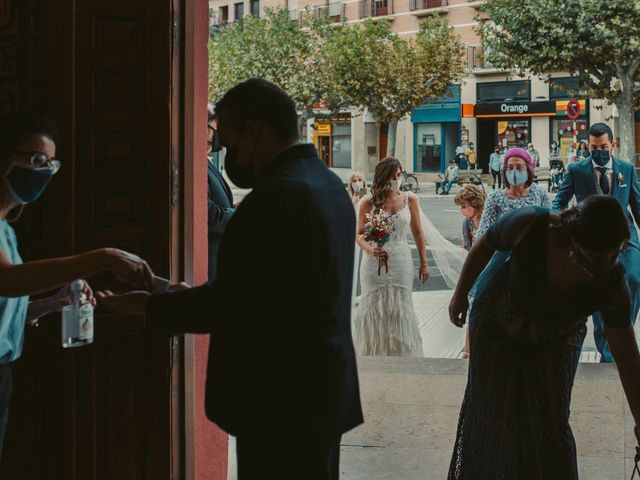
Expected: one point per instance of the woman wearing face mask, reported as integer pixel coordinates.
(519, 190)
(527, 328)
(583, 152)
(385, 322)
(357, 187)
(27, 164)
(554, 152)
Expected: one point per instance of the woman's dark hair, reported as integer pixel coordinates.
(14, 127)
(598, 224)
(599, 129)
(385, 169)
(264, 102)
(583, 144)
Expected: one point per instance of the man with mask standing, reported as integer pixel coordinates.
(282, 372)
(601, 173)
(219, 197)
(535, 156)
(495, 165)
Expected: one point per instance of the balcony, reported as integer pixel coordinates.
(375, 8)
(295, 14)
(422, 8)
(218, 22)
(334, 11)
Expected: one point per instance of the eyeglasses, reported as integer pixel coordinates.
(518, 166)
(41, 160)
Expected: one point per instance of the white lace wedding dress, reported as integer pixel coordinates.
(384, 321)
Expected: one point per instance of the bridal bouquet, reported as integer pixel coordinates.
(377, 229)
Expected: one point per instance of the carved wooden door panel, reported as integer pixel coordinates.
(108, 76)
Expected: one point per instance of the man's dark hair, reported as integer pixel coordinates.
(261, 101)
(598, 223)
(14, 127)
(599, 129)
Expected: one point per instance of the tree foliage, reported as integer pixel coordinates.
(364, 66)
(596, 40)
(276, 48)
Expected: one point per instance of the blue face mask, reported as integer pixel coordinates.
(27, 184)
(517, 177)
(601, 157)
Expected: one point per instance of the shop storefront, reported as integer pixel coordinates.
(508, 124)
(332, 138)
(565, 131)
(562, 129)
(436, 127)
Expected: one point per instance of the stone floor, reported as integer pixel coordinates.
(411, 411)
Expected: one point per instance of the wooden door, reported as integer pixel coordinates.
(325, 151)
(383, 140)
(104, 70)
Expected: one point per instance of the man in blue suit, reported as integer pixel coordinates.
(219, 196)
(604, 174)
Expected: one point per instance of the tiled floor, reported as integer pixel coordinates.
(411, 409)
(412, 405)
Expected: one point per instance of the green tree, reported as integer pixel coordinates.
(596, 40)
(389, 76)
(276, 48)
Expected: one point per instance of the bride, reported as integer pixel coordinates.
(385, 321)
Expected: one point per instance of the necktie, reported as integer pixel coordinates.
(604, 180)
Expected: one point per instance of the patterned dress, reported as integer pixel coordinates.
(526, 339)
(499, 204)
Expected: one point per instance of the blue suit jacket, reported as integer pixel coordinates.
(220, 203)
(579, 180)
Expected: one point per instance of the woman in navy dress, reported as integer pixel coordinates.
(527, 329)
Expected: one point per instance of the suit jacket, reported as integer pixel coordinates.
(580, 180)
(220, 207)
(281, 353)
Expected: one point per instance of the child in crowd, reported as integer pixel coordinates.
(470, 199)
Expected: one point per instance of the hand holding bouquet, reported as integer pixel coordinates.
(377, 229)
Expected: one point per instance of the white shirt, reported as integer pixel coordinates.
(609, 167)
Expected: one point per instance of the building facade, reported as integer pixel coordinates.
(489, 108)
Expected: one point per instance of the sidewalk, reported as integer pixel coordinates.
(441, 339)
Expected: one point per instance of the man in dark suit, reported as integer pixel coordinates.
(282, 371)
(603, 174)
(219, 196)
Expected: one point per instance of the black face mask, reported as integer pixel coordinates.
(600, 157)
(240, 176)
(215, 143)
(596, 271)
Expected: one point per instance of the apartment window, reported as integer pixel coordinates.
(501, 91)
(238, 11)
(224, 14)
(565, 88)
(254, 5)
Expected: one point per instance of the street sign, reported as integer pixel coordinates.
(573, 109)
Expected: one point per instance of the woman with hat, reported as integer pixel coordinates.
(519, 190)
